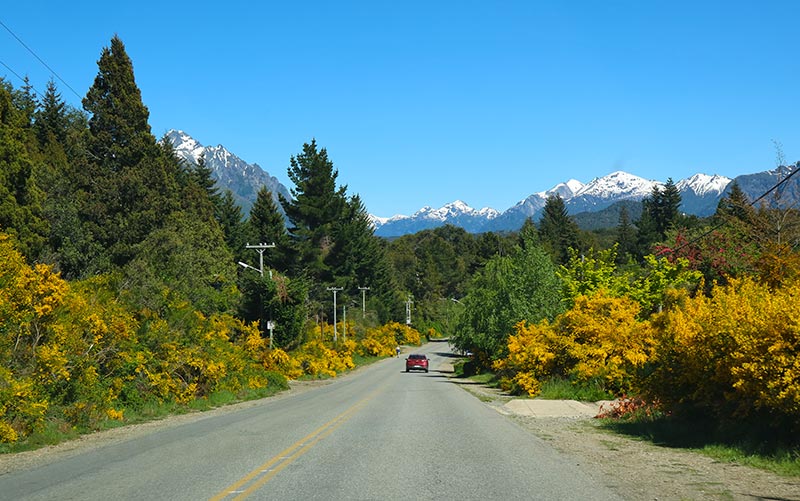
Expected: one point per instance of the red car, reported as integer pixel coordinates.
(417, 362)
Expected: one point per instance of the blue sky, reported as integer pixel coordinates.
(425, 102)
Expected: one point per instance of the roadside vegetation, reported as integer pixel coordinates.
(122, 300)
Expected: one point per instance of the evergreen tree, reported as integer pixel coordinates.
(235, 231)
(668, 208)
(20, 196)
(203, 176)
(128, 185)
(357, 258)
(735, 205)
(51, 121)
(660, 214)
(25, 102)
(558, 232)
(316, 205)
(267, 225)
(626, 237)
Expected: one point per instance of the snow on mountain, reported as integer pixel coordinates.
(700, 193)
(787, 195)
(456, 213)
(564, 190)
(185, 145)
(618, 183)
(703, 184)
(231, 172)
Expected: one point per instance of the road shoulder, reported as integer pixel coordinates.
(635, 469)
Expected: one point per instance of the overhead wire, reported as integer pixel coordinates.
(723, 223)
(9, 68)
(39, 59)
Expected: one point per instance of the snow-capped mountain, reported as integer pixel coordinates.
(231, 172)
(513, 218)
(601, 192)
(700, 193)
(456, 213)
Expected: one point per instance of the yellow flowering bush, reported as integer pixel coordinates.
(531, 357)
(607, 343)
(733, 354)
(599, 340)
(22, 410)
(381, 341)
(318, 359)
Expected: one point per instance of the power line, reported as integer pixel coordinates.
(26, 82)
(723, 223)
(39, 59)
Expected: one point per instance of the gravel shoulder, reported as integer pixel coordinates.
(640, 470)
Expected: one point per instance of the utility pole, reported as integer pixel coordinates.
(363, 301)
(335, 290)
(260, 248)
(409, 302)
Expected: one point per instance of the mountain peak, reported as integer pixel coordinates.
(703, 184)
(229, 171)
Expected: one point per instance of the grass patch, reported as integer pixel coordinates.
(742, 443)
(467, 369)
(361, 360)
(563, 389)
(487, 378)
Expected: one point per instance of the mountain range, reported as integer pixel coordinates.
(229, 171)
(700, 194)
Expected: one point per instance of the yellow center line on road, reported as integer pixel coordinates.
(262, 474)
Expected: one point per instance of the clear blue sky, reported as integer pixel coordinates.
(425, 102)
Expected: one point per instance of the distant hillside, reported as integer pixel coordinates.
(608, 217)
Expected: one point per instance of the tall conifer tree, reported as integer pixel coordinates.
(317, 203)
(267, 225)
(558, 232)
(128, 185)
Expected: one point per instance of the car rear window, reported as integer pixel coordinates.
(416, 356)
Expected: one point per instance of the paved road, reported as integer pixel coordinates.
(379, 433)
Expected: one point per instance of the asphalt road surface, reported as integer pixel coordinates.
(379, 433)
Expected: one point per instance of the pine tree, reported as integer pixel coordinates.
(626, 237)
(668, 212)
(267, 225)
(128, 185)
(119, 132)
(358, 258)
(235, 231)
(317, 203)
(660, 214)
(20, 196)
(558, 232)
(25, 102)
(50, 120)
(203, 176)
(735, 205)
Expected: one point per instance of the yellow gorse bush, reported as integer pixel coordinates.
(606, 341)
(599, 340)
(734, 353)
